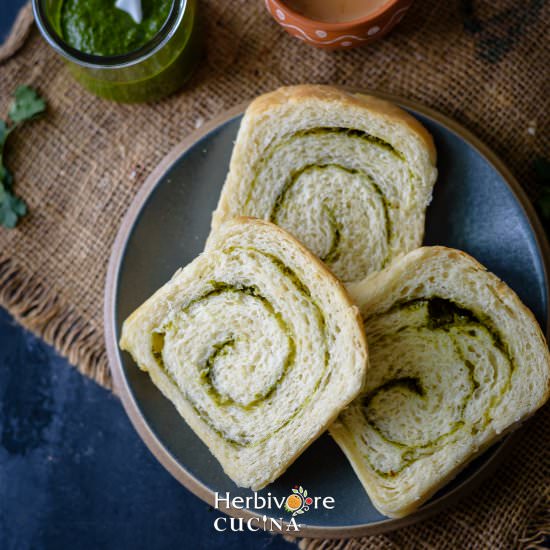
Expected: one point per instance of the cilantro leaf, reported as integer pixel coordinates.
(26, 104)
(11, 208)
(6, 177)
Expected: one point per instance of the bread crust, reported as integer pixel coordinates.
(339, 96)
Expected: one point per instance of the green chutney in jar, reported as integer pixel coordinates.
(97, 27)
(116, 58)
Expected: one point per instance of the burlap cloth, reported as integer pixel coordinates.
(485, 64)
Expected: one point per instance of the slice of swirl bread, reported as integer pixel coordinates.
(455, 361)
(257, 345)
(349, 175)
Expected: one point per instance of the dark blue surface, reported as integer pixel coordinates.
(73, 472)
(8, 12)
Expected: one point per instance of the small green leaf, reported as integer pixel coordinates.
(295, 490)
(26, 104)
(6, 177)
(305, 493)
(11, 208)
(301, 489)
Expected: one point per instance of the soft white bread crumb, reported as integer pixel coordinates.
(257, 345)
(347, 174)
(442, 386)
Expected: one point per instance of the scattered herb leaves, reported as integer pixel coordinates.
(26, 105)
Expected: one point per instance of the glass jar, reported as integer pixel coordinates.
(155, 70)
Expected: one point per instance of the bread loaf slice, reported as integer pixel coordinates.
(347, 174)
(257, 345)
(455, 361)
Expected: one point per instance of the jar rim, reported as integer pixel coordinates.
(94, 61)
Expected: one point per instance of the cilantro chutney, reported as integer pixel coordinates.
(116, 58)
(97, 27)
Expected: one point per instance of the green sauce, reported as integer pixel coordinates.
(97, 27)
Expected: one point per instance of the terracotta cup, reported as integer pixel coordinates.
(339, 36)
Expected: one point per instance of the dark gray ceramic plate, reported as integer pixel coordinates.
(477, 207)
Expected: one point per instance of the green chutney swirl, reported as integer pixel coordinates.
(225, 347)
(437, 370)
(326, 185)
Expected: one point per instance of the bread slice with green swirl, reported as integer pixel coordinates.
(257, 345)
(455, 362)
(347, 174)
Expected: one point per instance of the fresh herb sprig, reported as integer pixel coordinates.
(26, 105)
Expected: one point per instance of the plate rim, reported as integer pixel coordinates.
(121, 386)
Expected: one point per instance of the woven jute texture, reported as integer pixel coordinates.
(484, 64)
